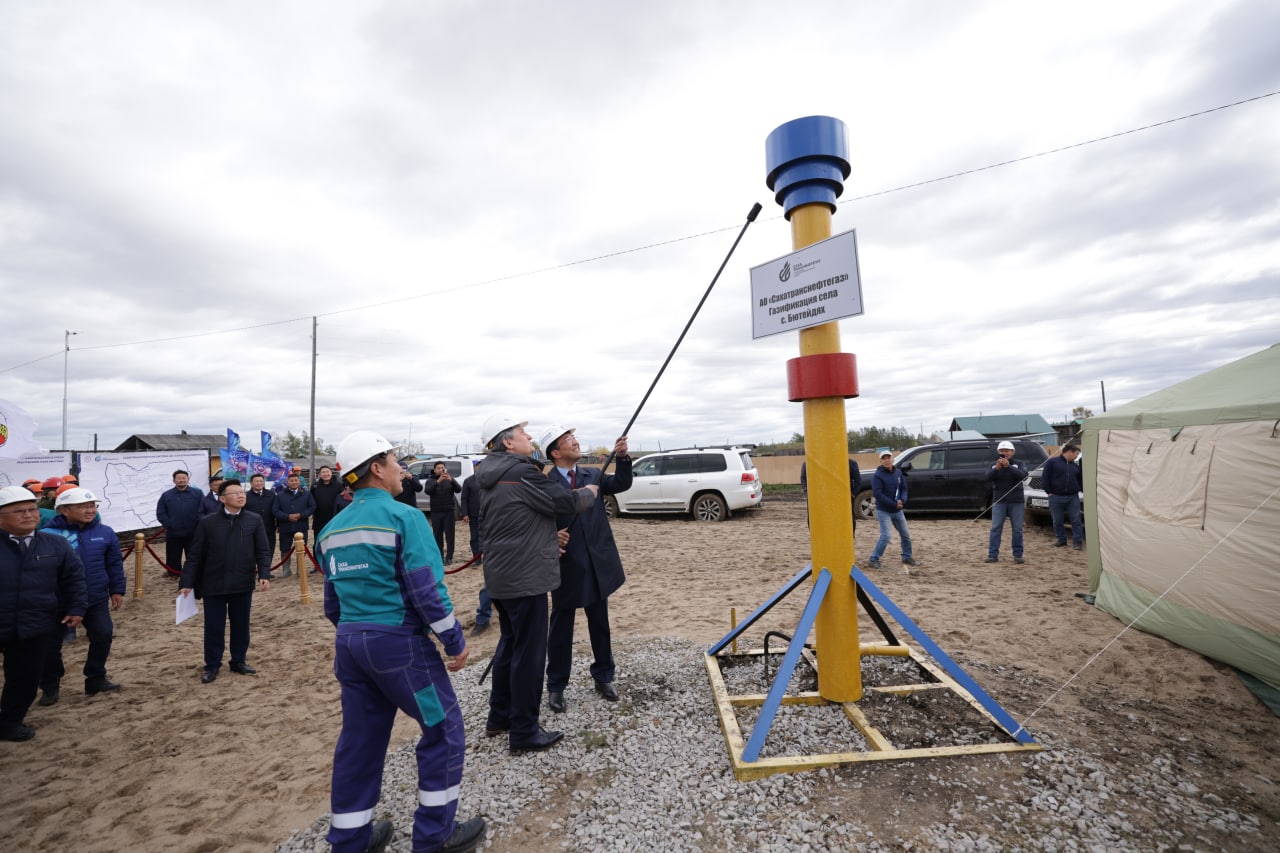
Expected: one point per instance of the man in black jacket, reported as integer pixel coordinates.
(1006, 477)
(325, 490)
(293, 507)
(262, 501)
(441, 487)
(229, 549)
(521, 565)
(41, 582)
(410, 486)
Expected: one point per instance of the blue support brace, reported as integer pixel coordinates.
(1010, 725)
(762, 609)
(779, 689)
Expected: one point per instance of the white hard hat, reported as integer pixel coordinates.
(356, 450)
(75, 496)
(551, 434)
(1005, 445)
(15, 494)
(495, 425)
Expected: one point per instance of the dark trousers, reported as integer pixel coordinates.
(380, 673)
(23, 660)
(217, 609)
(101, 630)
(286, 541)
(475, 537)
(175, 547)
(442, 525)
(518, 665)
(560, 644)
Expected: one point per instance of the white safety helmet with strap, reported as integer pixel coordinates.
(496, 425)
(357, 450)
(15, 495)
(75, 496)
(552, 434)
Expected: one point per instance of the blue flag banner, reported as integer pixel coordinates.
(266, 444)
(272, 467)
(235, 464)
(233, 439)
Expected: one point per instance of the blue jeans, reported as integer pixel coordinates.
(1015, 512)
(1066, 506)
(899, 521)
(485, 611)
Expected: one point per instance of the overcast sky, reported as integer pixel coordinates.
(514, 207)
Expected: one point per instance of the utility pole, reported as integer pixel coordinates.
(313, 399)
(66, 350)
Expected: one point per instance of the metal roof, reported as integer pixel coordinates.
(181, 441)
(1005, 426)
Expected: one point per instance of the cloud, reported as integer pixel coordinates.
(461, 197)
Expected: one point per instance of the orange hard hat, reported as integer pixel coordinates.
(31, 480)
(66, 487)
(71, 478)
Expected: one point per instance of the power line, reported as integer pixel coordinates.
(1059, 150)
(669, 242)
(32, 361)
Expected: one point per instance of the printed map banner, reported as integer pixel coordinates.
(128, 485)
(41, 466)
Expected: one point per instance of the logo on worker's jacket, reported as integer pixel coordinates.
(784, 274)
(336, 568)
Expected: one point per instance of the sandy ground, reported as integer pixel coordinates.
(171, 764)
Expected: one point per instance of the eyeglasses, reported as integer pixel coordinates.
(23, 510)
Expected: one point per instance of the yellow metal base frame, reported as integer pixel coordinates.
(882, 748)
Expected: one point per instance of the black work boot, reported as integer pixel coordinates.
(467, 836)
(102, 684)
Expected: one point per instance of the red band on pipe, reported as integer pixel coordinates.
(832, 374)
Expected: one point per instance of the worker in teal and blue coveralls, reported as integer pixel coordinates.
(384, 590)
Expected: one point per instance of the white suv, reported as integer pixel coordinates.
(459, 468)
(708, 482)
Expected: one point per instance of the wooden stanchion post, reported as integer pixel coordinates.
(303, 568)
(139, 551)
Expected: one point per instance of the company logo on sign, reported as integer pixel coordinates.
(784, 274)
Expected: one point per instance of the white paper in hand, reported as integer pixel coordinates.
(184, 608)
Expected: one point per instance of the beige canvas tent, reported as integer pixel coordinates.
(1183, 490)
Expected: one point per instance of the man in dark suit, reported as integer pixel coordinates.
(230, 553)
(41, 583)
(590, 568)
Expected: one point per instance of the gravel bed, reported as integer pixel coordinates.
(652, 772)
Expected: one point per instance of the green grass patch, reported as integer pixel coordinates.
(781, 488)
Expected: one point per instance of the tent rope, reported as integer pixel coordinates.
(1145, 610)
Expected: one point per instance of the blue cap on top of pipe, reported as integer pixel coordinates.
(808, 160)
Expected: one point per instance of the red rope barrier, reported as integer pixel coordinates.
(472, 561)
(154, 536)
(165, 566)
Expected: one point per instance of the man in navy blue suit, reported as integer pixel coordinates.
(590, 568)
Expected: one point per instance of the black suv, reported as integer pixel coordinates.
(951, 476)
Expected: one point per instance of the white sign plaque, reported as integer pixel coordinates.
(814, 285)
